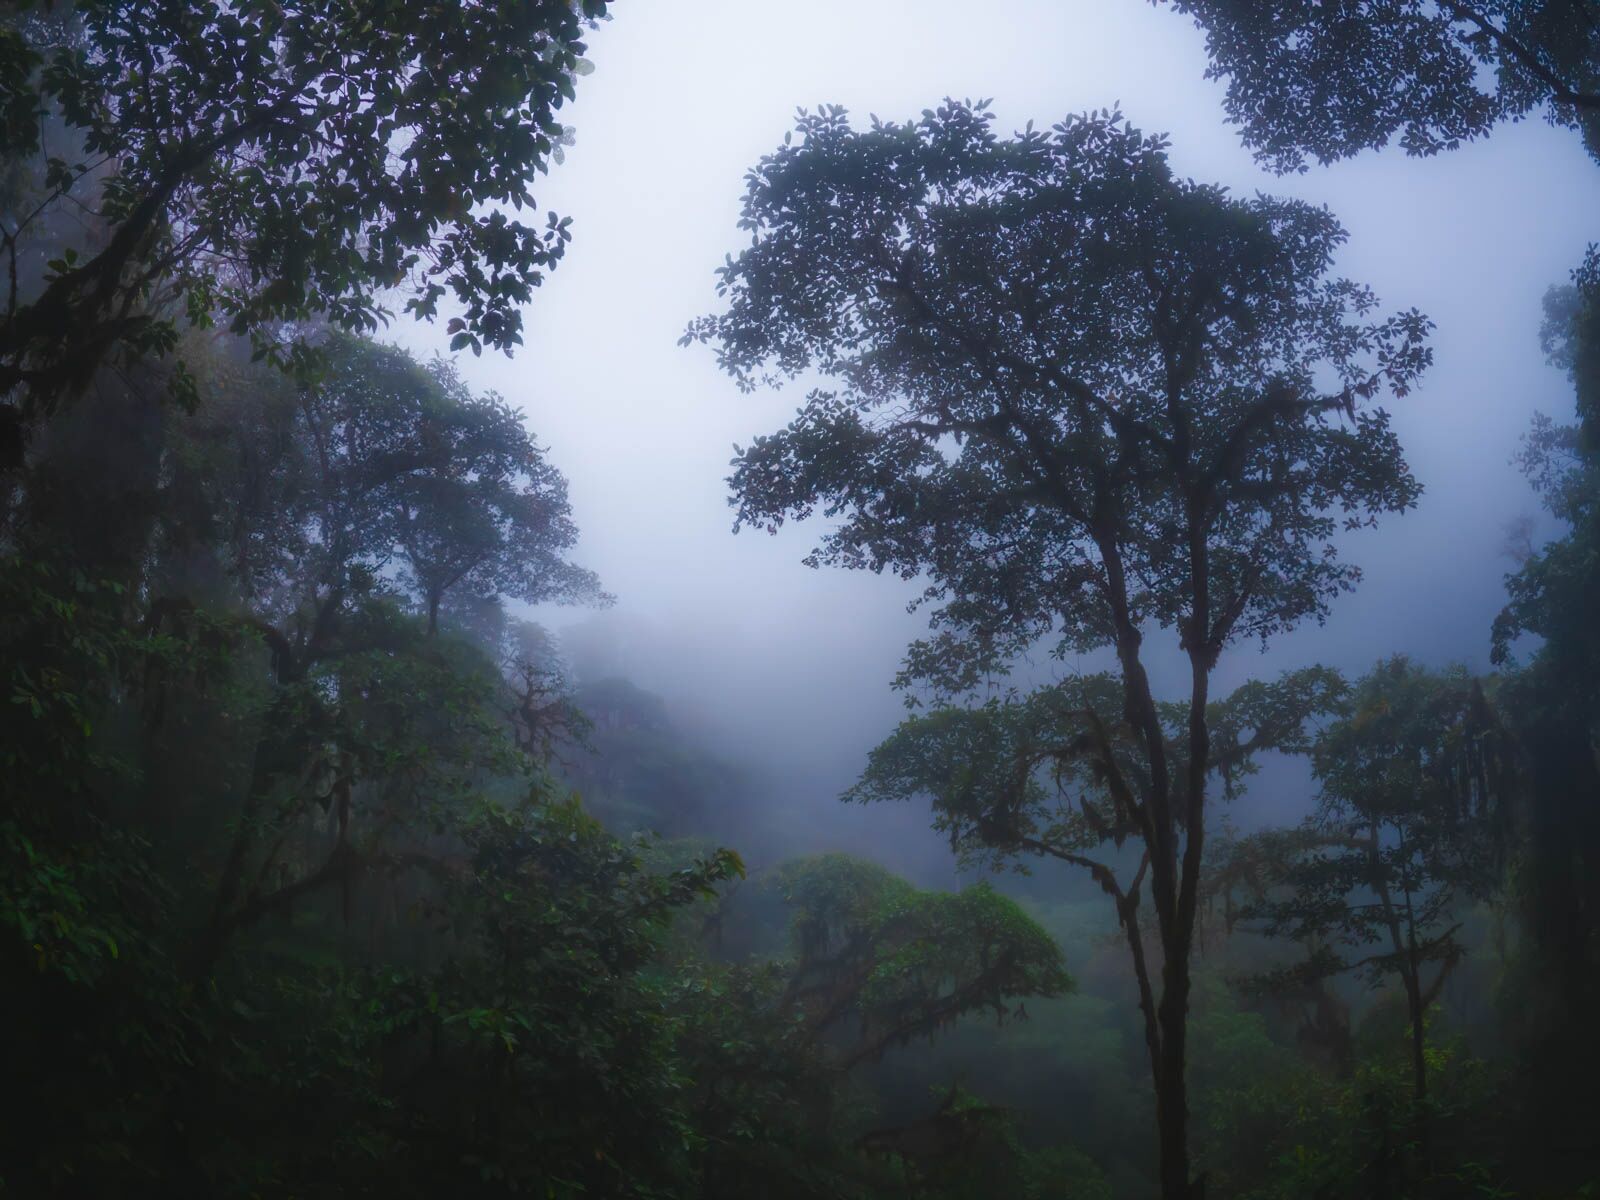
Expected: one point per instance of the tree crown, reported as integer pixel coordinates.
(1074, 392)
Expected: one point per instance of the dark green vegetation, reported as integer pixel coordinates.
(321, 877)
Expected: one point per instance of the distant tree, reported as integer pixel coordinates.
(1326, 81)
(871, 963)
(896, 963)
(1553, 703)
(1080, 398)
(542, 706)
(642, 770)
(1562, 461)
(1416, 780)
(336, 499)
(381, 473)
(448, 483)
(265, 163)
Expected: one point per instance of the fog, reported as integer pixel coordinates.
(336, 862)
(783, 666)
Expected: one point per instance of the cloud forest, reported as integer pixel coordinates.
(1139, 739)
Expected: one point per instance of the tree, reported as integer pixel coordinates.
(447, 482)
(1548, 593)
(296, 914)
(1080, 398)
(1548, 634)
(540, 705)
(871, 963)
(897, 963)
(377, 473)
(1416, 788)
(1326, 81)
(1058, 774)
(330, 504)
(538, 1053)
(265, 163)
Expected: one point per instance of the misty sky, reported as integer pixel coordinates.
(782, 660)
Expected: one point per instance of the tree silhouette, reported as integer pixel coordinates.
(1079, 398)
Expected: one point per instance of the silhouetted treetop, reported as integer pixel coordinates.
(444, 485)
(1059, 373)
(1323, 81)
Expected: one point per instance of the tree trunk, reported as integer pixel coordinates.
(1172, 1095)
(1419, 1055)
(1174, 879)
(1172, 1121)
(1419, 1072)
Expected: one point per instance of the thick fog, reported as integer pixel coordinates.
(790, 668)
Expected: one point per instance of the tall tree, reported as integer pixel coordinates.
(1080, 398)
(1324, 81)
(1554, 703)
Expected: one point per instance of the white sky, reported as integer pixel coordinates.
(688, 94)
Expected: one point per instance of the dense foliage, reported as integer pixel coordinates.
(1325, 81)
(265, 163)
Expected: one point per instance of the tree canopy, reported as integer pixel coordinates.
(262, 164)
(445, 483)
(1309, 80)
(1064, 374)
(901, 963)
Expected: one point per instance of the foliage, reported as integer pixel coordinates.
(1417, 780)
(641, 771)
(1546, 596)
(1325, 81)
(1551, 596)
(1295, 1133)
(64, 649)
(971, 1149)
(292, 902)
(1056, 773)
(448, 484)
(786, 1046)
(1044, 343)
(271, 162)
(900, 963)
(540, 1048)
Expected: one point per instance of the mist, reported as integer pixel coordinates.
(829, 601)
(791, 667)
